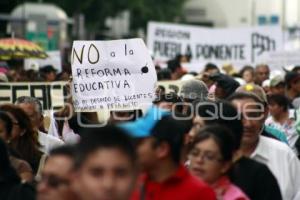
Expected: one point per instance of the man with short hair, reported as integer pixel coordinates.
(55, 178)
(105, 165)
(33, 108)
(159, 149)
(262, 73)
(244, 172)
(292, 80)
(277, 85)
(281, 160)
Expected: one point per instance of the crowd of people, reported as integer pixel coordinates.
(226, 135)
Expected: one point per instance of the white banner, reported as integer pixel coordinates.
(112, 75)
(232, 45)
(279, 59)
(52, 95)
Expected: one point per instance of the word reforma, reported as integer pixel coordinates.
(92, 72)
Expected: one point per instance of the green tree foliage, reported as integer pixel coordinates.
(143, 11)
(96, 11)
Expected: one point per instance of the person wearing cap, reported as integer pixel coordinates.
(279, 157)
(159, 152)
(262, 73)
(260, 94)
(192, 90)
(277, 85)
(225, 85)
(48, 72)
(170, 101)
(244, 171)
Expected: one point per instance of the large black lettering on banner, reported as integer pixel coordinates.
(261, 44)
(4, 98)
(15, 89)
(9, 92)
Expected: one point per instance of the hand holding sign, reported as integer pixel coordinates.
(113, 75)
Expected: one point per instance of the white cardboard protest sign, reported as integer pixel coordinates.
(218, 45)
(114, 75)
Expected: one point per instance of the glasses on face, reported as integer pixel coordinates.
(53, 181)
(206, 156)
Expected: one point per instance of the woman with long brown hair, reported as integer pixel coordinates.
(23, 142)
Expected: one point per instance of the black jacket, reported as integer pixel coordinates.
(255, 179)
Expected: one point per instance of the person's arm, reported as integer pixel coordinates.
(266, 185)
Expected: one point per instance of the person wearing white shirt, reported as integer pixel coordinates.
(280, 159)
(283, 119)
(34, 110)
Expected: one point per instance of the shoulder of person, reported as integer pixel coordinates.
(22, 191)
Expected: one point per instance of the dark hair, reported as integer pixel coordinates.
(223, 113)
(210, 66)
(65, 150)
(164, 74)
(108, 137)
(7, 172)
(296, 68)
(172, 132)
(173, 65)
(7, 122)
(179, 56)
(26, 146)
(221, 135)
(280, 100)
(246, 68)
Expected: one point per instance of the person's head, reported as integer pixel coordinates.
(160, 139)
(209, 69)
(170, 101)
(278, 104)
(176, 70)
(221, 112)
(292, 80)
(194, 90)
(164, 74)
(253, 114)
(277, 85)
(23, 137)
(247, 73)
(56, 175)
(105, 165)
(225, 85)
(211, 153)
(183, 58)
(5, 126)
(296, 69)
(262, 73)
(20, 120)
(33, 108)
(48, 72)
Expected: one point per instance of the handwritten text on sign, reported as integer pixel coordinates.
(112, 75)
